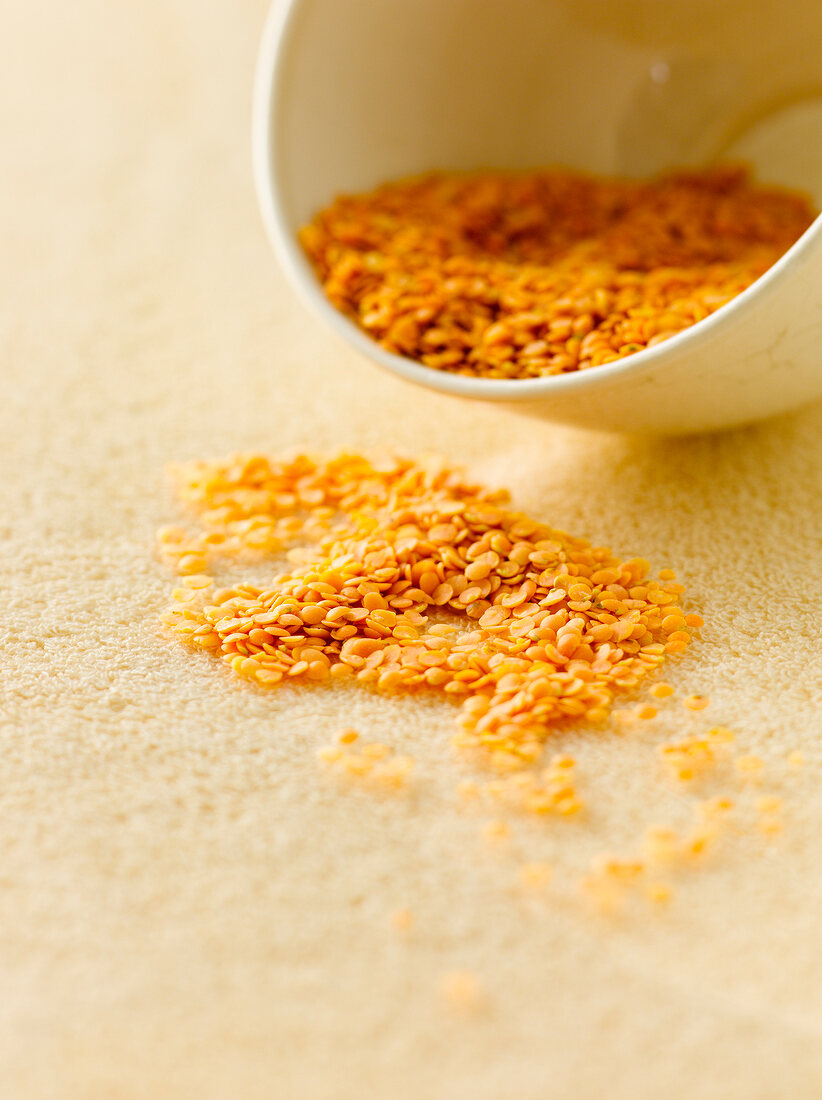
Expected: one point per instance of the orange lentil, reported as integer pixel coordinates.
(198, 580)
(770, 824)
(714, 808)
(769, 804)
(770, 815)
(605, 892)
(661, 691)
(658, 892)
(721, 734)
(695, 702)
(535, 876)
(468, 790)
(495, 831)
(461, 991)
(690, 757)
(609, 879)
(522, 275)
(402, 920)
(750, 767)
(662, 844)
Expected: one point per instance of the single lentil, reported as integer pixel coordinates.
(769, 804)
(495, 831)
(535, 876)
(373, 763)
(659, 893)
(402, 920)
(750, 767)
(721, 735)
(461, 991)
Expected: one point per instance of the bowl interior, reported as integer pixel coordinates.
(363, 92)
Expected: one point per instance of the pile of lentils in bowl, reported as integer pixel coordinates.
(524, 275)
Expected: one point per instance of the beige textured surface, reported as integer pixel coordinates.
(186, 908)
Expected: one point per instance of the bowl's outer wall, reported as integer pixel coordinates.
(352, 94)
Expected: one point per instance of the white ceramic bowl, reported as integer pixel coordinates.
(351, 93)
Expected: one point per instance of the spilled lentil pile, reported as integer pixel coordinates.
(518, 276)
(405, 577)
(409, 577)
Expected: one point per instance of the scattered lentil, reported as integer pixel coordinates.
(661, 844)
(721, 735)
(625, 716)
(551, 790)
(461, 991)
(495, 831)
(504, 275)
(750, 767)
(715, 809)
(689, 758)
(535, 876)
(659, 893)
(373, 763)
(609, 880)
(769, 804)
(402, 920)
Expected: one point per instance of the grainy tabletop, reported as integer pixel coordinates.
(188, 906)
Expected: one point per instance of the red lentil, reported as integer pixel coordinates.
(659, 893)
(461, 991)
(750, 767)
(402, 920)
(535, 876)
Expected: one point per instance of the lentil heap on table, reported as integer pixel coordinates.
(523, 275)
(416, 578)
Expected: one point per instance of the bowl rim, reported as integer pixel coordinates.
(266, 160)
